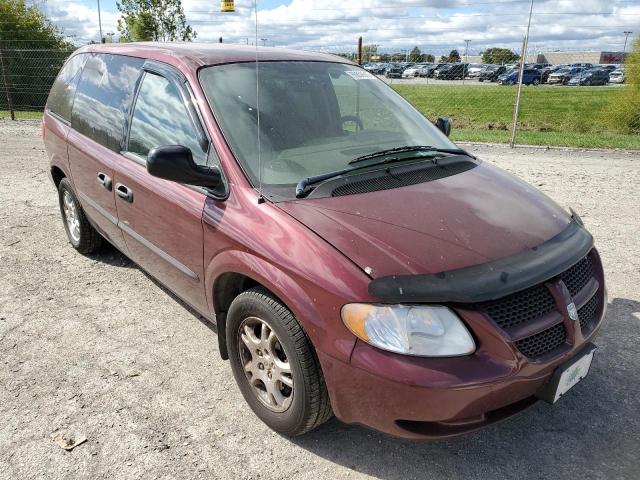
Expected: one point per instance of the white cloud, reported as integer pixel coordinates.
(435, 26)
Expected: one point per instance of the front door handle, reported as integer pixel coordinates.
(104, 180)
(124, 192)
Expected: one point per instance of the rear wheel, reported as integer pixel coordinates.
(536, 81)
(82, 236)
(275, 365)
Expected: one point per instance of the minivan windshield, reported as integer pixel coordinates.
(315, 117)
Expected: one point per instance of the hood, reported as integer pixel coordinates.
(470, 218)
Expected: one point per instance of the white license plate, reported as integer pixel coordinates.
(572, 374)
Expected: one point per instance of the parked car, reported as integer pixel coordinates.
(530, 76)
(595, 76)
(451, 71)
(394, 70)
(547, 71)
(492, 72)
(438, 67)
(617, 76)
(474, 69)
(563, 75)
(583, 65)
(376, 68)
(332, 288)
(413, 71)
(608, 67)
(427, 70)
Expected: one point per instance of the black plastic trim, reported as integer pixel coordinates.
(491, 280)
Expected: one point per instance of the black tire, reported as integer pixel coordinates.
(310, 405)
(87, 240)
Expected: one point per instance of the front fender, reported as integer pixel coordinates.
(319, 314)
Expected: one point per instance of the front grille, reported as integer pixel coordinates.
(529, 305)
(520, 307)
(541, 343)
(403, 179)
(578, 276)
(587, 312)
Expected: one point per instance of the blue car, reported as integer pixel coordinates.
(530, 76)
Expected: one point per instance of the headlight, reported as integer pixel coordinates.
(427, 331)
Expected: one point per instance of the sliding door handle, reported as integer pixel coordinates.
(104, 180)
(124, 192)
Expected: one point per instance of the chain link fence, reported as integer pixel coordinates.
(26, 76)
(570, 98)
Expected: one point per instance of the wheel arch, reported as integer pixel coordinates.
(56, 174)
(233, 272)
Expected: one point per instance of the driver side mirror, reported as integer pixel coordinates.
(175, 163)
(444, 125)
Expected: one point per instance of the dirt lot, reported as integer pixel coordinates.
(92, 347)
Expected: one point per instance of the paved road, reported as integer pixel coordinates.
(92, 347)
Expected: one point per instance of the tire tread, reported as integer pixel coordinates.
(319, 410)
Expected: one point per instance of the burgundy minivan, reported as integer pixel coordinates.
(354, 260)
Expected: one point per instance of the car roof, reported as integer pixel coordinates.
(195, 54)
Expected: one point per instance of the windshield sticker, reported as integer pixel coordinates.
(359, 74)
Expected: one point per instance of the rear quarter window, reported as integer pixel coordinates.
(62, 92)
(103, 97)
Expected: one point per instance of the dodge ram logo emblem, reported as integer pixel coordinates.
(573, 312)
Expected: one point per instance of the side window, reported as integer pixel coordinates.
(63, 89)
(160, 118)
(103, 97)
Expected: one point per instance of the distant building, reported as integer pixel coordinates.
(570, 57)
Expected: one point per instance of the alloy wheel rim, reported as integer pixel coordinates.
(71, 216)
(265, 364)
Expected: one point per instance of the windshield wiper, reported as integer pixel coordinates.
(411, 148)
(304, 183)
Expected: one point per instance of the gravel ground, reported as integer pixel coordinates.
(92, 347)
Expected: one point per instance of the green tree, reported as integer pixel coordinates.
(153, 20)
(415, 55)
(23, 26)
(369, 51)
(499, 56)
(32, 51)
(428, 58)
(453, 57)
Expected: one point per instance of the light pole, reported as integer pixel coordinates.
(523, 59)
(264, 41)
(99, 22)
(626, 37)
(466, 60)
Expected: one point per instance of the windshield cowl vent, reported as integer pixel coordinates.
(387, 181)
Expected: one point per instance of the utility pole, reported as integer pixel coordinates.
(466, 60)
(523, 59)
(360, 51)
(626, 37)
(100, 23)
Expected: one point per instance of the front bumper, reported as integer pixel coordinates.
(428, 398)
(417, 397)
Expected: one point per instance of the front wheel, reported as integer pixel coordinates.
(275, 365)
(536, 81)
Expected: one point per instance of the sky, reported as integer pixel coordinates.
(435, 26)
